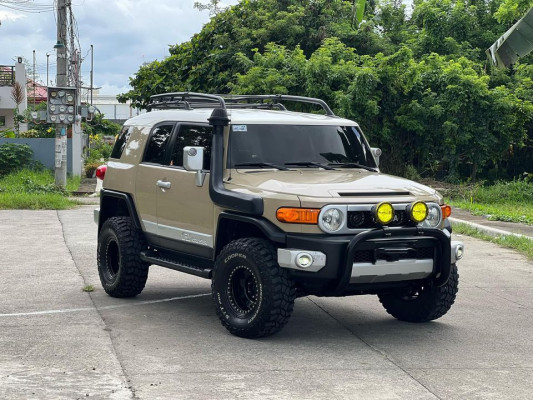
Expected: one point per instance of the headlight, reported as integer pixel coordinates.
(332, 219)
(434, 217)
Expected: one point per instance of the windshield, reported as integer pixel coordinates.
(299, 145)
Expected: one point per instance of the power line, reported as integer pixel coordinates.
(27, 6)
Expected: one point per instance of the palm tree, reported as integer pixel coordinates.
(17, 94)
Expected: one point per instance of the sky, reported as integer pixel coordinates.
(125, 34)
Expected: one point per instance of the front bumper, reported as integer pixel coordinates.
(384, 255)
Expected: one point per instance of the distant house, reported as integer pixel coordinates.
(37, 93)
(8, 76)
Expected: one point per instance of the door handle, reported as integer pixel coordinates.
(163, 184)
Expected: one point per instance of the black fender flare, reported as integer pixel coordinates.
(271, 231)
(128, 200)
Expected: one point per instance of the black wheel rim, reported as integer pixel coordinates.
(112, 264)
(243, 291)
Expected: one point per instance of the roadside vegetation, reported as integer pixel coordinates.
(35, 190)
(101, 133)
(520, 244)
(26, 184)
(503, 201)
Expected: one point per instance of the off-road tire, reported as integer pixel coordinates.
(422, 303)
(121, 270)
(253, 296)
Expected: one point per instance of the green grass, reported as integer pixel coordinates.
(521, 244)
(88, 288)
(504, 201)
(35, 190)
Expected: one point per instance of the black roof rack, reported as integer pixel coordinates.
(184, 100)
(190, 100)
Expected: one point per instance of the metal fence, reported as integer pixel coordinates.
(7, 75)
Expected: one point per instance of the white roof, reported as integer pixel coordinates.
(239, 116)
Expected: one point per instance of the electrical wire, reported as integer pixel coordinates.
(28, 6)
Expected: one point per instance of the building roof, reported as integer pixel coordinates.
(36, 91)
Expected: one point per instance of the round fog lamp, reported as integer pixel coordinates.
(304, 260)
(419, 211)
(384, 213)
(459, 252)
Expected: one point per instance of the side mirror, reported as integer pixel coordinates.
(376, 152)
(193, 158)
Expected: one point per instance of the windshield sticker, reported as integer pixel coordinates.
(240, 128)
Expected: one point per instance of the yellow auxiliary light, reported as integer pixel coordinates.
(418, 211)
(384, 213)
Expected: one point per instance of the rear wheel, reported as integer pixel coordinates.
(254, 297)
(422, 302)
(121, 270)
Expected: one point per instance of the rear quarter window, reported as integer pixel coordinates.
(121, 141)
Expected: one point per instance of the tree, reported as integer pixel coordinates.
(18, 96)
(213, 6)
(417, 84)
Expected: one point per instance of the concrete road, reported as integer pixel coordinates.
(57, 341)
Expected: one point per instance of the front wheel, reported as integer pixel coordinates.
(422, 302)
(253, 296)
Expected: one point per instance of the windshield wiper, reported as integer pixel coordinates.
(262, 164)
(354, 165)
(309, 164)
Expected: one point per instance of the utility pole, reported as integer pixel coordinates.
(34, 82)
(92, 70)
(61, 81)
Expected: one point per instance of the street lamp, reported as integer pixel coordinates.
(59, 45)
(47, 64)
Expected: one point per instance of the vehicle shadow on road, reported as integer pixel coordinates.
(311, 323)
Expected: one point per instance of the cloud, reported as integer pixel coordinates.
(125, 34)
(9, 16)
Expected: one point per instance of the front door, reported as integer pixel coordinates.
(185, 212)
(149, 174)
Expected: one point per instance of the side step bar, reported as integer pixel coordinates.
(154, 258)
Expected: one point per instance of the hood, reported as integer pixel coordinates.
(342, 183)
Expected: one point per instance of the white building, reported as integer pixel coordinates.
(110, 107)
(8, 76)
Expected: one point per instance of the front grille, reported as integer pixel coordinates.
(370, 256)
(365, 220)
(363, 256)
(425, 252)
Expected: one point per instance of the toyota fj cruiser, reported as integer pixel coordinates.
(269, 204)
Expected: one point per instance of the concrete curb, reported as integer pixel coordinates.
(488, 230)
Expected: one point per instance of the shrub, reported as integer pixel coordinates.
(411, 173)
(7, 133)
(14, 156)
(38, 132)
(90, 168)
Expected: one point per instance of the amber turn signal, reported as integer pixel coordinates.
(298, 215)
(446, 211)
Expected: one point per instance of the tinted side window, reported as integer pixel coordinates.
(120, 144)
(193, 135)
(155, 153)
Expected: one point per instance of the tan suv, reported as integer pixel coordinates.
(269, 204)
